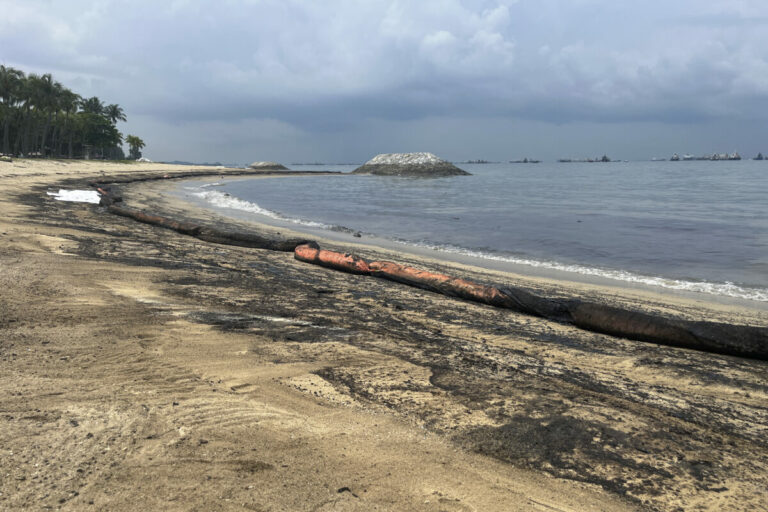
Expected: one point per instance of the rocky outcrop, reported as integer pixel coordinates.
(409, 164)
(267, 166)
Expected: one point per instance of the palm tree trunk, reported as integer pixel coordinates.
(46, 127)
(17, 142)
(54, 129)
(65, 129)
(20, 147)
(7, 134)
(27, 129)
(59, 140)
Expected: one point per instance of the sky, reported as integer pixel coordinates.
(342, 80)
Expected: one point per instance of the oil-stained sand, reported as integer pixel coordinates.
(142, 368)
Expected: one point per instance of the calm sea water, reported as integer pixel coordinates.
(699, 226)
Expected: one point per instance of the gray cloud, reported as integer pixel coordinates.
(321, 74)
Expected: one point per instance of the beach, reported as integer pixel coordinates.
(143, 368)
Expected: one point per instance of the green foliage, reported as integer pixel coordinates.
(92, 106)
(40, 117)
(135, 144)
(114, 113)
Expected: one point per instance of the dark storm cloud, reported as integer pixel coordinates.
(312, 68)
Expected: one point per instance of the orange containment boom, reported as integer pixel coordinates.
(518, 300)
(739, 340)
(312, 253)
(441, 283)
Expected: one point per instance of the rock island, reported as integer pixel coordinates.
(409, 164)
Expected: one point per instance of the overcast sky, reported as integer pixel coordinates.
(343, 80)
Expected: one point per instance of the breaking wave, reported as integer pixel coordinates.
(726, 289)
(224, 200)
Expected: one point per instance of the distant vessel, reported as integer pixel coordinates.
(525, 161)
(759, 157)
(604, 158)
(713, 157)
(725, 156)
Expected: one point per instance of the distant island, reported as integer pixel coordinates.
(267, 166)
(409, 164)
(325, 163)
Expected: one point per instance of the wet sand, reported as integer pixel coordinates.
(145, 369)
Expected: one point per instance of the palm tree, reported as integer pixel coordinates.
(38, 114)
(114, 113)
(48, 92)
(10, 89)
(92, 106)
(136, 144)
(30, 96)
(68, 103)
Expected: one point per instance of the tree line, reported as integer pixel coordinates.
(40, 117)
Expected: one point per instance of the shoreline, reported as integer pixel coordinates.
(169, 193)
(203, 353)
(595, 315)
(462, 258)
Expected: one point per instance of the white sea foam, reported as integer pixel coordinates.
(224, 200)
(77, 196)
(726, 289)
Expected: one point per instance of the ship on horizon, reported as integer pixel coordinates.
(713, 157)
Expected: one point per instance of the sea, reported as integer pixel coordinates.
(693, 226)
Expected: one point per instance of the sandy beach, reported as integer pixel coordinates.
(143, 369)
